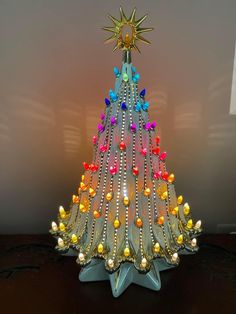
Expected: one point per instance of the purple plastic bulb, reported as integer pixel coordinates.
(133, 127)
(147, 126)
(101, 128)
(113, 120)
(153, 124)
(102, 116)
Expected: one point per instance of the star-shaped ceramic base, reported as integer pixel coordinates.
(125, 275)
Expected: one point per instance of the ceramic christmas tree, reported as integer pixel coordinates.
(126, 224)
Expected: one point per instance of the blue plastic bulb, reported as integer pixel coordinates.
(111, 92)
(143, 93)
(145, 106)
(123, 106)
(116, 71)
(107, 102)
(138, 107)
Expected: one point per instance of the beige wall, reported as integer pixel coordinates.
(55, 72)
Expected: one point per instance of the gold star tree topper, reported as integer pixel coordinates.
(128, 40)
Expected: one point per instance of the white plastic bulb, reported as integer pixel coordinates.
(81, 257)
(175, 257)
(194, 242)
(198, 224)
(110, 263)
(54, 226)
(144, 262)
(60, 242)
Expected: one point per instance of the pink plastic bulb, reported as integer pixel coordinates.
(157, 175)
(113, 170)
(163, 156)
(94, 139)
(144, 151)
(103, 148)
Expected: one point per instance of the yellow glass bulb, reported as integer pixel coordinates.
(83, 186)
(74, 238)
(156, 247)
(180, 239)
(100, 248)
(82, 177)
(171, 178)
(189, 224)
(92, 193)
(164, 195)
(186, 209)
(62, 227)
(75, 199)
(116, 223)
(96, 214)
(147, 192)
(82, 208)
(139, 222)
(126, 252)
(180, 199)
(109, 196)
(126, 201)
(175, 211)
(161, 220)
(62, 212)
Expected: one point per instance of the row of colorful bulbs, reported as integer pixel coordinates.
(126, 252)
(125, 77)
(149, 126)
(147, 192)
(100, 248)
(157, 139)
(164, 175)
(126, 202)
(122, 146)
(138, 106)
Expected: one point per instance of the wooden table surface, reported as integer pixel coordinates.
(35, 279)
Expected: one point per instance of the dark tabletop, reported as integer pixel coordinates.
(35, 279)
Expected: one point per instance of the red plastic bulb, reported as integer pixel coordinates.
(122, 146)
(86, 165)
(156, 150)
(135, 171)
(165, 175)
(157, 140)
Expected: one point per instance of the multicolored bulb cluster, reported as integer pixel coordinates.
(161, 186)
